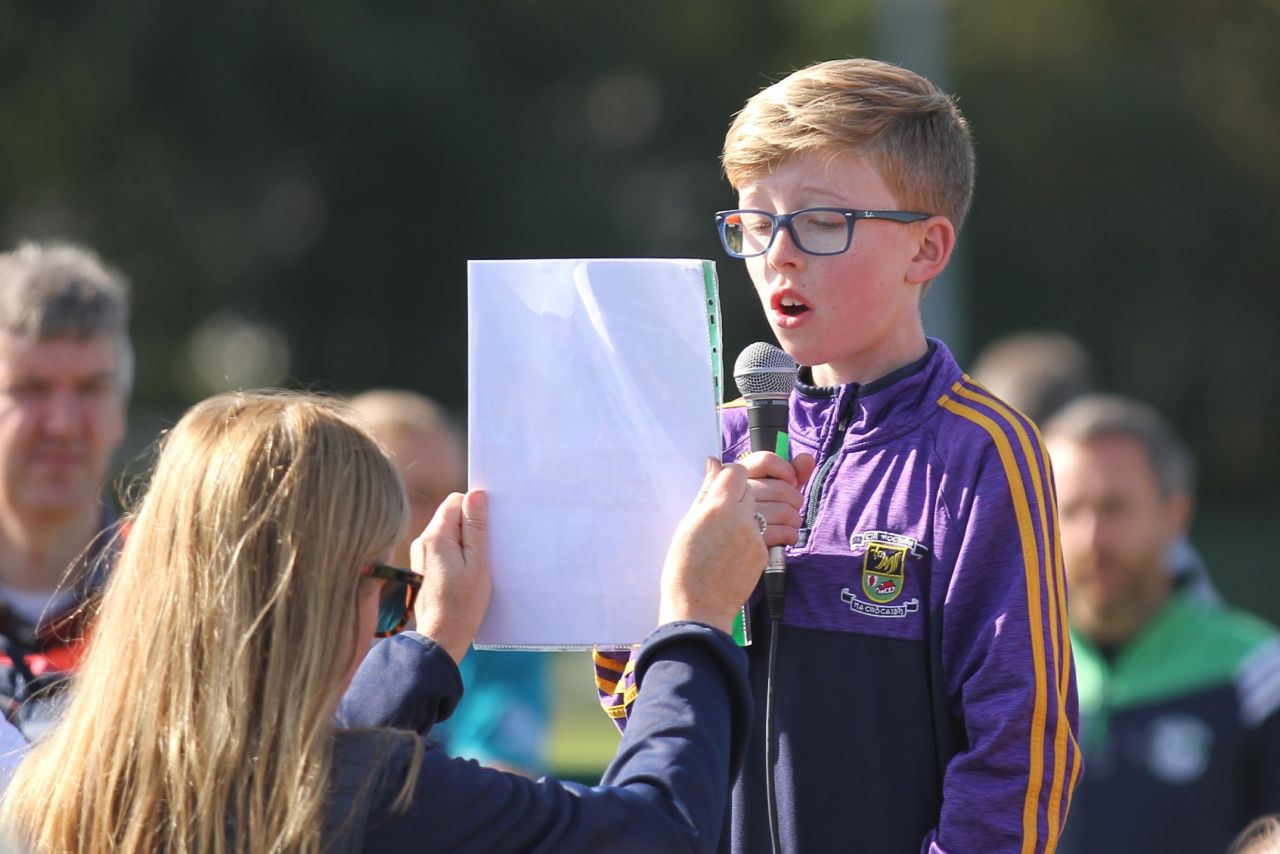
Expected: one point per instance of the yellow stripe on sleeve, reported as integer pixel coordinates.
(1022, 512)
(1064, 684)
(621, 669)
(1057, 601)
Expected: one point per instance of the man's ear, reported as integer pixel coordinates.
(1180, 505)
(936, 238)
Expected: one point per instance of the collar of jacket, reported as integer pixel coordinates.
(890, 406)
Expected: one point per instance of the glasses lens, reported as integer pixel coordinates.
(393, 605)
(747, 234)
(822, 232)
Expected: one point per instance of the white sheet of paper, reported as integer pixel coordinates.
(593, 404)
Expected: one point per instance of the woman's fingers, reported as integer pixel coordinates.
(475, 528)
(731, 483)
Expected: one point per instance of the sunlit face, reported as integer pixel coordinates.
(853, 317)
(1117, 528)
(61, 419)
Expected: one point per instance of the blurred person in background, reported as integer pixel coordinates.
(204, 715)
(1040, 371)
(1035, 371)
(13, 749)
(1179, 698)
(505, 717)
(65, 369)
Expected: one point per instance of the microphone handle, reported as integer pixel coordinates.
(775, 583)
(767, 425)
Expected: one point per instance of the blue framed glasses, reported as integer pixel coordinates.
(815, 231)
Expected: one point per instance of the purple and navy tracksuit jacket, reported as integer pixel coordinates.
(925, 697)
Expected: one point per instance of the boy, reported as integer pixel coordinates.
(924, 695)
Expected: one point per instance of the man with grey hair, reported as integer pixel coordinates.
(1179, 697)
(65, 370)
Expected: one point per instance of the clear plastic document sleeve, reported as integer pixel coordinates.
(593, 403)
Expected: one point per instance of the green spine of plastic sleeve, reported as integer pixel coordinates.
(741, 626)
(712, 290)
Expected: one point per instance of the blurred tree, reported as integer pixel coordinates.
(1125, 196)
(310, 179)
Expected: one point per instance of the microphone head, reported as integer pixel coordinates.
(764, 371)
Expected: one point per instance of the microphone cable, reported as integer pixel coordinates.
(765, 376)
(773, 608)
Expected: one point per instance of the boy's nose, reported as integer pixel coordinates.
(784, 252)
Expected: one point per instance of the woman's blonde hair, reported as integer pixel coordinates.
(911, 131)
(201, 718)
(1262, 836)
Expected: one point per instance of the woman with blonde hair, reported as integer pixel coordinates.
(203, 716)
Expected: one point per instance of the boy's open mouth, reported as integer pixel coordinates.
(791, 307)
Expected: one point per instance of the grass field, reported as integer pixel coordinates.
(582, 738)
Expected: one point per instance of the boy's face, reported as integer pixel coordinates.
(852, 317)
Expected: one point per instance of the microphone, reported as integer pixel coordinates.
(765, 375)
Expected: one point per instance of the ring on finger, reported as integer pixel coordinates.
(762, 522)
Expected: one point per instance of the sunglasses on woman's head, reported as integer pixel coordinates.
(398, 595)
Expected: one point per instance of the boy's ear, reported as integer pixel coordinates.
(937, 239)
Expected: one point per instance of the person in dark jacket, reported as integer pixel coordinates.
(66, 365)
(204, 715)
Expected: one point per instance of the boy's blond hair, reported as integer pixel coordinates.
(912, 132)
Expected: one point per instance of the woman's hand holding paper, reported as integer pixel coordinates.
(717, 554)
(453, 556)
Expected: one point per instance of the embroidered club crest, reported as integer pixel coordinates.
(883, 570)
